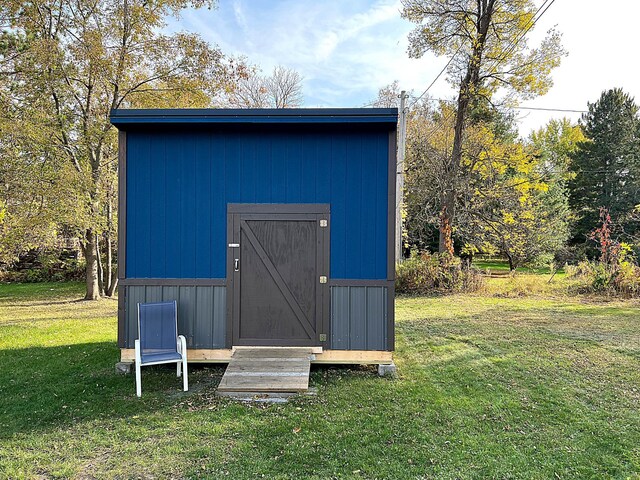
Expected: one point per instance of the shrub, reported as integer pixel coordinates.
(616, 272)
(622, 278)
(427, 273)
(45, 267)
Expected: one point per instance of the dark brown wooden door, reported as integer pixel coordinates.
(278, 297)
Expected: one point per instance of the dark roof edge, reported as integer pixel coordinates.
(262, 115)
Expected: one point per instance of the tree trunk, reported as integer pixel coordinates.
(110, 281)
(109, 273)
(91, 271)
(451, 171)
(100, 266)
(468, 87)
(113, 285)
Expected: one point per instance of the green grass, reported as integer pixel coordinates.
(490, 386)
(502, 266)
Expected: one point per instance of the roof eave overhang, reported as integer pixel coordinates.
(123, 117)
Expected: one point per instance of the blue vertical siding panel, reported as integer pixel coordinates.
(278, 177)
(368, 197)
(381, 209)
(158, 209)
(133, 165)
(262, 168)
(179, 186)
(294, 169)
(218, 213)
(353, 202)
(308, 169)
(172, 191)
(188, 218)
(323, 168)
(339, 247)
(143, 220)
(248, 178)
(233, 163)
(380, 197)
(202, 206)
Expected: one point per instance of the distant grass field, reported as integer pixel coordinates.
(502, 266)
(518, 382)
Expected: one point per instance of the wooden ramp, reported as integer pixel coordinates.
(267, 370)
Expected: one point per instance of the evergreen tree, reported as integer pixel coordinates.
(607, 164)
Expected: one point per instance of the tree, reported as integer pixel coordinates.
(282, 89)
(428, 149)
(388, 96)
(486, 40)
(553, 145)
(80, 59)
(508, 203)
(606, 165)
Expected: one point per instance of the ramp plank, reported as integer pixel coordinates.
(267, 370)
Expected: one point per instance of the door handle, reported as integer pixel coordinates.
(236, 265)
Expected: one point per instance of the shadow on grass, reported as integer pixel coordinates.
(53, 387)
(41, 303)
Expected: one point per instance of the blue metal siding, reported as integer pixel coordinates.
(179, 184)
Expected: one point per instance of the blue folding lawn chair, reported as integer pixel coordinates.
(158, 340)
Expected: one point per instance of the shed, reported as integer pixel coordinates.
(269, 228)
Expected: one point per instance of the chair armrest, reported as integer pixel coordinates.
(182, 344)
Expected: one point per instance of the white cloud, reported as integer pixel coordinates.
(345, 51)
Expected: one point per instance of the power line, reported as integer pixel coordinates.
(543, 109)
(437, 77)
(502, 58)
(551, 109)
(514, 44)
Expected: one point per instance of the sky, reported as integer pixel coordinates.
(347, 50)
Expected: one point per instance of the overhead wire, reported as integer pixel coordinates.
(435, 79)
(536, 17)
(542, 9)
(534, 20)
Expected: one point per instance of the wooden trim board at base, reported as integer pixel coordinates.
(220, 355)
(223, 355)
(356, 357)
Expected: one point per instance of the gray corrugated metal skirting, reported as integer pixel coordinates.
(358, 318)
(201, 312)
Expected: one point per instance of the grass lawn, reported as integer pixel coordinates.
(491, 386)
(502, 267)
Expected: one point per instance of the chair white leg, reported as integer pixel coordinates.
(138, 380)
(179, 370)
(138, 368)
(183, 350)
(184, 377)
